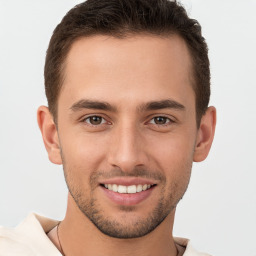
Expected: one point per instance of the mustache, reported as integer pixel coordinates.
(118, 172)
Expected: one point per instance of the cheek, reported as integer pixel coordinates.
(82, 153)
(174, 157)
(171, 151)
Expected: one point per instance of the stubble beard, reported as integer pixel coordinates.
(123, 229)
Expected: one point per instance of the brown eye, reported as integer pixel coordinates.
(160, 120)
(95, 120)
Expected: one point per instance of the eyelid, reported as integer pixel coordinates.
(169, 120)
(84, 118)
(103, 121)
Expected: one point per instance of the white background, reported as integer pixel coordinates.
(218, 211)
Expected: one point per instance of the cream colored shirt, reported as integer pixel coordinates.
(29, 239)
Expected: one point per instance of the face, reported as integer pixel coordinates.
(127, 130)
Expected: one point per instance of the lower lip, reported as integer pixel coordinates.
(127, 199)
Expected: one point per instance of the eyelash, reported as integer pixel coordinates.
(169, 121)
(93, 125)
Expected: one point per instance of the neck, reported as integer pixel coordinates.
(79, 236)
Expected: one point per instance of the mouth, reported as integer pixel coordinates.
(123, 191)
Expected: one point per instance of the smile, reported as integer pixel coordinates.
(132, 189)
(127, 190)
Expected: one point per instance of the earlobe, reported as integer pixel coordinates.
(205, 135)
(49, 134)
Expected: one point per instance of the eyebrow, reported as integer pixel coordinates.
(92, 104)
(161, 104)
(152, 105)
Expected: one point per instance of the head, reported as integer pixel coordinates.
(127, 84)
(121, 19)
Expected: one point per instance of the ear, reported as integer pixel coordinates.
(205, 135)
(49, 134)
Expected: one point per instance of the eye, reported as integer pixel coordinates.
(160, 120)
(95, 120)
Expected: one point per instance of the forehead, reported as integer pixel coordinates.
(133, 68)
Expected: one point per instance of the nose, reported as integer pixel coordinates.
(127, 149)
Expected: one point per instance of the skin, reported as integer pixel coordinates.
(127, 74)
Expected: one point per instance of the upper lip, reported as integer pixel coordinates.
(128, 181)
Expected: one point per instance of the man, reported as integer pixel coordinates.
(128, 87)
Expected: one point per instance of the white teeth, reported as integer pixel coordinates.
(114, 187)
(139, 188)
(127, 189)
(131, 189)
(122, 189)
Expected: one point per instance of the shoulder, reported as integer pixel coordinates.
(28, 238)
(11, 243)
(189, 249)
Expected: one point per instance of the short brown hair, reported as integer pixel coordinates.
(120, 18)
